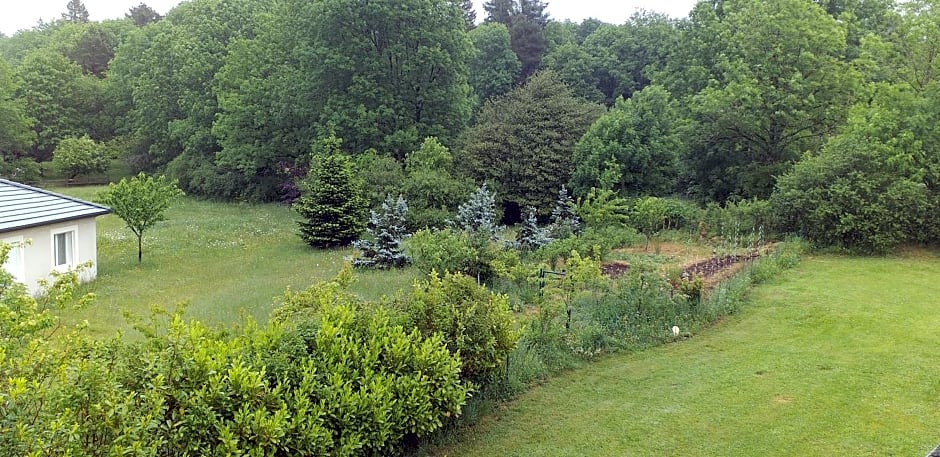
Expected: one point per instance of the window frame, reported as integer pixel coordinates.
(71, 251)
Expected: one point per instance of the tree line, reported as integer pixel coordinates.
(824, 107)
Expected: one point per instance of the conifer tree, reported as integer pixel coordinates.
(331, 203)
(565, 221)
(478, 215)
(75, 12)
(531, 236)
(388, 230)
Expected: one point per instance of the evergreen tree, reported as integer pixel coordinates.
(331, 205)
(478, 215)
(469, 13)
(388, 231)
(142, 15)
(565, 221)
(526, 20)
(531, 236)
(524, 142)
(75, 12)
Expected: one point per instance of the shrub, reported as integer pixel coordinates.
(603, 207)
(474, 323)
(335, 380)
(565, 221)
(80, 156)
(380, 174)
(430, 187)
(601, 240)
(441, 250)
(856, 194)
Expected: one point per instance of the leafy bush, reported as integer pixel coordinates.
(381, 175)
(442, 251)
(335, 380)
(603, 207)
(22, 170)
(602, 240)
(649, 216)
(430, 186)
(80, 156)
(474, 323)
(856, 194)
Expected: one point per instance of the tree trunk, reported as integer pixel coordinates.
(140, 248)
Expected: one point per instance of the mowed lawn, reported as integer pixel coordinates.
(223, 259)
(837, 357)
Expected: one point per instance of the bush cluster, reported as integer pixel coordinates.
(328, 376)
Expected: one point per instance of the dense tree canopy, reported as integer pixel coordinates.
(228, 96)
(524, 142)
(638, 141)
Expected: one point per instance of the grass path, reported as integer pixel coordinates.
(838, 357)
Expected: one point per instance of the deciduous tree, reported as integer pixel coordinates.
(140, 202)
(641, 137)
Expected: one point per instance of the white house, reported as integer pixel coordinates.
(51, 232)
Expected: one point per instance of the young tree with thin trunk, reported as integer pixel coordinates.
(140, 202)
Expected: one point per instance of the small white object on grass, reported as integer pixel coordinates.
(675, 330)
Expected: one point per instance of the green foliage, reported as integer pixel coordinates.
(15, 126)
(641, 137)
(442, 250)
(530, 236)
(387, 231)
(23, 170)
(430, 187)
(377, 83)
(874, 186)
(474, 323)
(523, 141)
(332, 208)
(381, 175)
(142, 14)
(649, 216)
(590, 241)
(80, 156)
(779, 87)
(140, 202)
(565, 222)
(336, 380)
(172, 113)
(59, 97)
(494, 66)
(602, 207)
(477, 216)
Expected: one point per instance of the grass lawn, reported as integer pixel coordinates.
(222, 258)
(837, 357)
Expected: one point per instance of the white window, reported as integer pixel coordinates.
(15, 259)
(63, 248)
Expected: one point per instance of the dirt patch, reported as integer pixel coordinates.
(783, 399)
(615, 269)
(667, 248)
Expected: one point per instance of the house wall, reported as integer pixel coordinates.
(37, 255)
